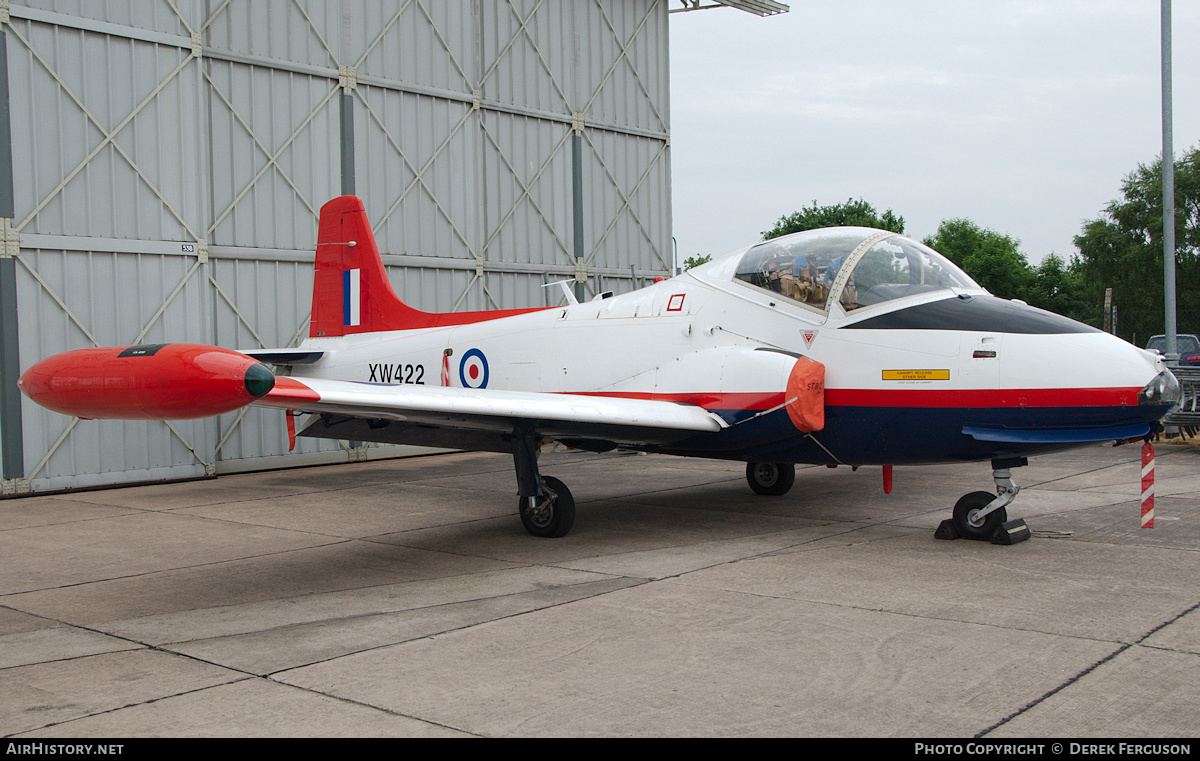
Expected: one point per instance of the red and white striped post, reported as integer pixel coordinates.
(1147, 485)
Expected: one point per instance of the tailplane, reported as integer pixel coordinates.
(351, 290)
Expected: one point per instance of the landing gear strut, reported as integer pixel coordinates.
(978, 514)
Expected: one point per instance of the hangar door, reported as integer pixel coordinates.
(169, 159)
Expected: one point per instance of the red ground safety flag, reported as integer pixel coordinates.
(291, 428)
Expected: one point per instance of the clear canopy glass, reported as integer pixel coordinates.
(805, 268)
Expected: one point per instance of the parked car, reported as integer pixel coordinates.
(1187, 344)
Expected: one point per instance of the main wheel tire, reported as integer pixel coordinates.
(967, 522)
(554, 512)
(771, 478)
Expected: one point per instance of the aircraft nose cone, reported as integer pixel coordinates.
(1163, 390)
(259, 380)
(33, 383)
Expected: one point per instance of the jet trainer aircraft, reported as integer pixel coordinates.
(843, 346)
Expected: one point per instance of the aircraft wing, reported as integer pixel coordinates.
(464, 418)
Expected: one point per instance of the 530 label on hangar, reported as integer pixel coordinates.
(398, 373)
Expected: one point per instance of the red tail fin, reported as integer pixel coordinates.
(351, 290)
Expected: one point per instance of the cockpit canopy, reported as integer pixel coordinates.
(855, 266)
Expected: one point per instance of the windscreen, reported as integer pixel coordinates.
(898, 267)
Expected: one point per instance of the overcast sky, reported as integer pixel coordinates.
(1021, 115)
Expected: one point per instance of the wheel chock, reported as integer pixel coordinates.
(1011, 532)
(1007, 533)
(946, 530)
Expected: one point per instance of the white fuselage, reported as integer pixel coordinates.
(704, 338)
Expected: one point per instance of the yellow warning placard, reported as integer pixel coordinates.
(908, 375)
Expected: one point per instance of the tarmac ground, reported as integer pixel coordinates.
(403, 598)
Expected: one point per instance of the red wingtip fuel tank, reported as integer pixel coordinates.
(151, 382)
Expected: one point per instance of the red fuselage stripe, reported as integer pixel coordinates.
(931, 398)
(1004, 397)
(709, 401)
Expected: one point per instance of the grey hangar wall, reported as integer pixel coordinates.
(162, 164)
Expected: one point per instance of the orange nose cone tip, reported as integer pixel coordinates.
(37, 382)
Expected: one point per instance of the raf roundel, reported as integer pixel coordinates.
(473, 370)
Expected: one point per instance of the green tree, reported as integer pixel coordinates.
(696, 261)
(1058, 286)
(1123, 250)
(851, 213)
(992, 259)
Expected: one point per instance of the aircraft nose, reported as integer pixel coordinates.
(1163, 390)
(1089, 378)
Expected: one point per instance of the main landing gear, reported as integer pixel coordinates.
(978, 514)
(545, 504)
(773, 479)
(550, 515)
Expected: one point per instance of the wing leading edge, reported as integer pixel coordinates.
(482, 418)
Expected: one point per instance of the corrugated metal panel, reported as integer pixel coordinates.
(77, 121)
(429, 45)
(417, 173)
(171, 156)
(621, 77)
(281, 30)
(115, 299)
(154, 15)
(259, 303)
(275, 155)
(433, 288)
(528, 56)
(527, 163)
(625, 176)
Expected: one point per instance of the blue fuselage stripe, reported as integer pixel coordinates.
(913, 435)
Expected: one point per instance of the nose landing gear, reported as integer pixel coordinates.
(978, 514)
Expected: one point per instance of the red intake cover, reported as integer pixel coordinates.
(806, 390)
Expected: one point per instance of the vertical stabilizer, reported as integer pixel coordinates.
(351, 290)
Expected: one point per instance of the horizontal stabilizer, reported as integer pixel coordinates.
(285, 356)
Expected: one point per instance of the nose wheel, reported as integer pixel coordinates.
(978, 514)
(970, 519)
